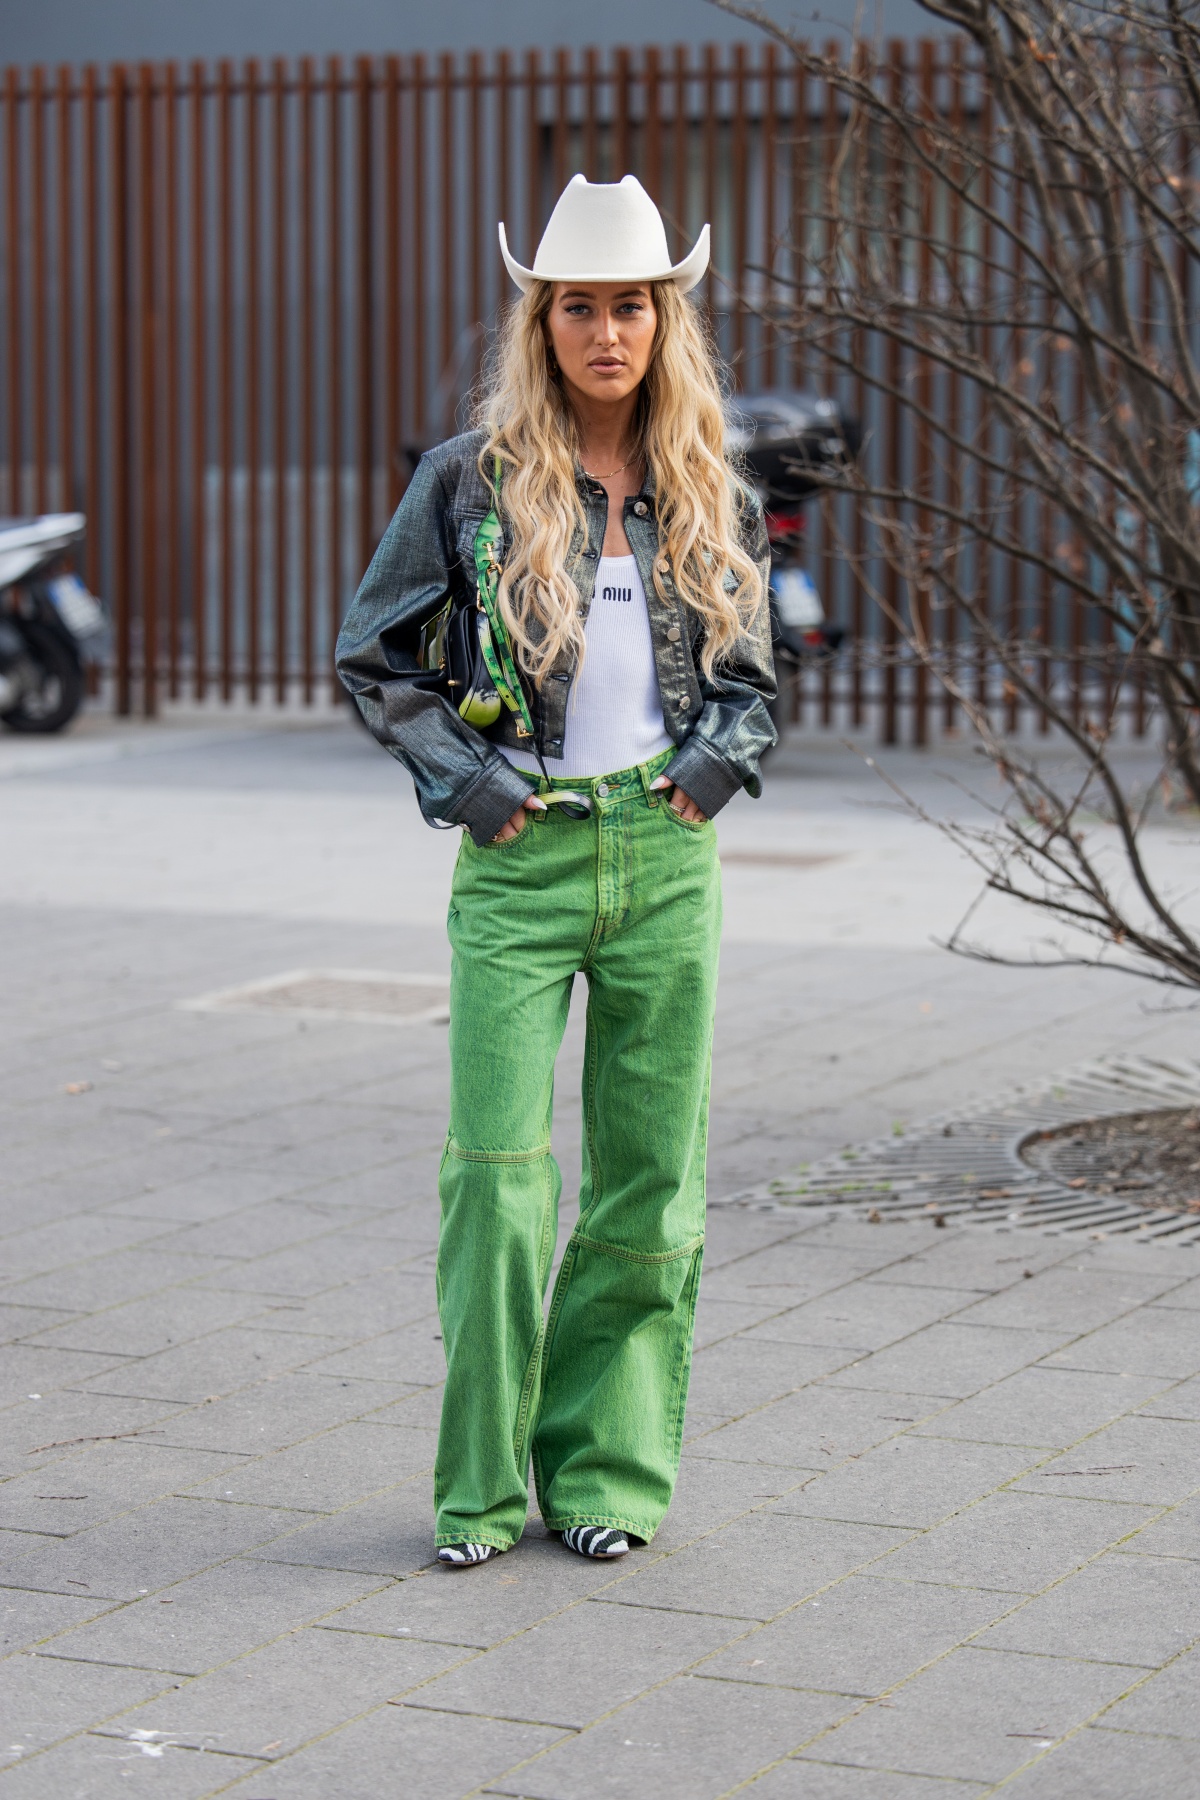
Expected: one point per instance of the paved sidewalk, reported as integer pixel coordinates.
(935, 1530)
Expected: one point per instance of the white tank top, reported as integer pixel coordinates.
(614, 714)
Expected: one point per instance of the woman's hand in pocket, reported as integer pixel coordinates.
(513, 827)
(683, 804)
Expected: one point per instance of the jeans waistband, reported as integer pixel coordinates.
(623, 784)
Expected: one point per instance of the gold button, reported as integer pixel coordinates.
(674, 635)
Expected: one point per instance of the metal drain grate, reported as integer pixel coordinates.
(967, 1166)
(365, 996)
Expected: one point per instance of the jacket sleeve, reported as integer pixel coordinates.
(459, 776)
(734, 728)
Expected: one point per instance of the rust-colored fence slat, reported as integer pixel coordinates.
(306, 280)
(251, 252)
(198, 326)
(172, 559)
(145, 340)
(279, 327)
(335, 348)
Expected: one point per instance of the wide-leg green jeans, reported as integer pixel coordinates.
(594, 1390)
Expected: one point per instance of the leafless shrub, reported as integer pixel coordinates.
(1006, 247)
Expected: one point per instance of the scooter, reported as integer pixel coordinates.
(51, 627)
(788, 442)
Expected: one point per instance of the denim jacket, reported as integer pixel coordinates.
(720, 723)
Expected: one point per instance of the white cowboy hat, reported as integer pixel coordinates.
(606, 231)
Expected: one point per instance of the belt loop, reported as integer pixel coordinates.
(647, 789)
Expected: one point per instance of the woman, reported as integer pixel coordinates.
(632, 596)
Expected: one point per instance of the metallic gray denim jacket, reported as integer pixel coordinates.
(427, 554)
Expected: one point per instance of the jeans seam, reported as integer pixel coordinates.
(497, 1156)
(638, 1256)
(685, 1360)
(535, 1355)
(591, 1065)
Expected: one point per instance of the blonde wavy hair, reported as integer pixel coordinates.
(680, 428)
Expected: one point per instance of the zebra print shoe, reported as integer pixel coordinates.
(458, 1556)
(595, 1540)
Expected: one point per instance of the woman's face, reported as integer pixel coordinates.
(602, 334)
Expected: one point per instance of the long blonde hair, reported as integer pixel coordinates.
(531, 427)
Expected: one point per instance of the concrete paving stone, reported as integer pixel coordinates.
(38, 1432)
(860, 1636)
(291, 1691)
(865, 1315)
(389, 1534)
(1122, 1609)
(954, 1360)
(442, 1755)
(1042, 1407)
(412, 1355)
(730, 1235)
(799, 1268)
(1156, 1341)
(1175, 1533)
(912, 1481)
(1139, 1458)
(1175, 1400)
(305, 1269)
(200, 1198)
(818, 1425)
(281, 1410)
(259, 1230)
(966, 1259)
(976, 1715)
(757, 1566)
(804, 1778)
(573, 1669)
(361, 1308)
(1015, 1542)
(688, 1740)
(46, 1699)
(1165, 1705)
(144, 1550)
(204, 1620)
(109, 1280)
(26, 1619)
(1066, 1298)
(325, 1472)
(717, 1319)
(1110, 1765)
(346, 1153)
(416, 1409)
(216, 1365)
(711, 1493)
(1186, 1295)
(734, 1375)
(27, 1369)
(99, 1481)
(536, 1580)
(155, 1322)
(26, 1321)
(99, 1768)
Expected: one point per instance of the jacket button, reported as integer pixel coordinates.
(663, 566)
(674, 635)
(556, 743)
(640, 508)
(683, 700)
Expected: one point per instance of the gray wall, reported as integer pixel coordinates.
(53, 31)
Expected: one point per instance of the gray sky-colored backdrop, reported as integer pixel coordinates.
(54, 31)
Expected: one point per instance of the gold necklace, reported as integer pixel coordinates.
(634, 458)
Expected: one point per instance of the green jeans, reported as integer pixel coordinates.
(595, 1389)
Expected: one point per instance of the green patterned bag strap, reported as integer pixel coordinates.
(497, 649)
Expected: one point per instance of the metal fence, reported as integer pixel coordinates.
(235, 299)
